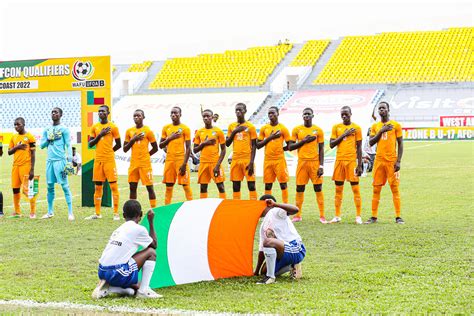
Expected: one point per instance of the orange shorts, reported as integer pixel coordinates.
(344, 170)
(171, 172)
(306, 170)
(104, 170)
(206, 173)
(383, 171)
(18, 174)
(145, 174)
(275, 169)
(238, 170)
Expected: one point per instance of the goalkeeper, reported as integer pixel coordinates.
(57, 139)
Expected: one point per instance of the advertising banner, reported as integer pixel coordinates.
(439, 133)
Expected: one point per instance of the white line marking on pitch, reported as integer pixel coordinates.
(114, 308)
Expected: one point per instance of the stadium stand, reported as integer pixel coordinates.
(310, 53)
(142, 67)
(408, 57)
(35, 108)
(234, 68)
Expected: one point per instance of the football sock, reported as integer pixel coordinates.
(1, 202)
(115, 196)
(236, 195)
(268, 192)
(68, 197)
(121, 291)
(50, 198)
(299, 203)
(396, 199)
(253, 195)
(33, 205)
(376, 200)
(188, 192)
(152, 203)
(338, 199)
(16, 203)
(270, 259)
(320, 200)
(147, 272)
(284, 195)
(357, 200)
(168, 195)
(203, 195)
(222, 195)
(97, 198)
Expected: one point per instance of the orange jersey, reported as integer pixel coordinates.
(104, 148)
(176, 148)
(22, 157)
(309, 151)
(274, 148)
(140, 153)
(210, 153)
(387, 145)
(242, 143)
(347, 148)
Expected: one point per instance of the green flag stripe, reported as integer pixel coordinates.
(20, 63)
(163, 217)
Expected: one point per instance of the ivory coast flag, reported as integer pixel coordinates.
(204, 239)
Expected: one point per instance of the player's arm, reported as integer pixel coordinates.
(33, 160)
(207, 142)
(221, 158)
(187, 154)
(44, 140)
(12, 149)
(260, 260)
(151, 216)
(400, 153)
(333, 142)
(164, 141)
(321, 159)
(290, 209)
(253, 151)
(230, 138)
(359, 157)
(94, 139)
(264, 142)
(67, 144)
(154, 148)
(118, 144)
(375, 139)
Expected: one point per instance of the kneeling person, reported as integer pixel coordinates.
(280, 244)
(120, 261)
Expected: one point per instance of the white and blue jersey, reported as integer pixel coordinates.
(57, 140)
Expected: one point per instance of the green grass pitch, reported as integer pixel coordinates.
(420, 267)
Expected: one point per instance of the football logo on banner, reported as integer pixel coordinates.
(82, 70)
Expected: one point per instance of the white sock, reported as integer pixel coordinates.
(147, 272)
(270, 259)
(121, 290)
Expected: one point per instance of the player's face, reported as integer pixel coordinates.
(103, 113)
(272, 115)
(383, 110)
(19, 126)
(138, 117)
(346, 116)
(307, 116)
(207, 118)
(55, 115)
(240, 111)
(175, 114)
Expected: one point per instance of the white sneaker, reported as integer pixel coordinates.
(335, 220)
(47, 215)
(94, 216)
(102, 290)
(148, 293)
(267, 280)
(71, 217)
(358, 220)
(116, 217)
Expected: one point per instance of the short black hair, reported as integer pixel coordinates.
(309, 109)
(210, 111)
(105, 106)
(59, 110)
(386, 103)
(345, 107)
(177, 107)
(73, 147)
(275, 108)
(267, 197)
(22, 120)
(242, 104)
(132, 209)
(138, 110)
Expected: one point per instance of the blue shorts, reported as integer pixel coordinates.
(121, 275)
(294, 253)
(55, 172)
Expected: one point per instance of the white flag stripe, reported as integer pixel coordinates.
(187, 252)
